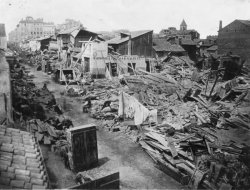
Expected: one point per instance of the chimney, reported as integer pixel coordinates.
(129, 45)
(3, 38)
(220, 26)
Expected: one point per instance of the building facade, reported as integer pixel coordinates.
(183, 32)
(30, 28)
(235, 38)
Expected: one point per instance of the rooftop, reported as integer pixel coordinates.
(133, 34)
(164, 45)
(188, 42)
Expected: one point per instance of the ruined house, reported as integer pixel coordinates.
(235, 38)
(75, 36)
(134, 43)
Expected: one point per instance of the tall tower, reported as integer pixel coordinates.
(183, 25)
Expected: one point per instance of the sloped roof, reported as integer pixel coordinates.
(164, 45)
(212, 48)
(133, 34)
(43, 38)
(246, 22)
(74, 31)
(68, 31)
(2, 30)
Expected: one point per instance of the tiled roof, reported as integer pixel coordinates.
(164, 45)
(21, 163)
(133, 34)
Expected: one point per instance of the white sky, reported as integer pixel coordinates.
(108, 15)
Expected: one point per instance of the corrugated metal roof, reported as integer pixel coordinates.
(133, 34)
(164, 45)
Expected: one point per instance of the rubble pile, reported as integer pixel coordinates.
(103, 95)
(36, 109)
(204, 141)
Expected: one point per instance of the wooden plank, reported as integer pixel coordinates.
(111, 181)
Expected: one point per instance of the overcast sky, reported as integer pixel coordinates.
(108, 15)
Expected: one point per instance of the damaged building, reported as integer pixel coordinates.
(235, 38)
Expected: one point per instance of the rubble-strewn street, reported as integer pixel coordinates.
(124, 109)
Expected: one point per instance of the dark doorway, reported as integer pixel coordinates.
(86, 63)
(147, 66)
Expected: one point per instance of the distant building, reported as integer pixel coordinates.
(30, 28)
(68, 24)
(182, 33)
(133, 43)
(235, 38)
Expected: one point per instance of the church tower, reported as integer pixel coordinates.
(183, 25)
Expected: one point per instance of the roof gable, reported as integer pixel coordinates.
(236, 22)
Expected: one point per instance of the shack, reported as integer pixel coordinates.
(45, 42)
(96, 60)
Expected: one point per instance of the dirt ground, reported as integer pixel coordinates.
(115, 151)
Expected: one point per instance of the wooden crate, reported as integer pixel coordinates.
(83, 147)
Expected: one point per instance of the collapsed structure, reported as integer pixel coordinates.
(190, 114)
